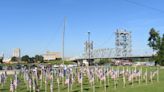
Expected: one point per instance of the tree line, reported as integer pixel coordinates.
(28, 59)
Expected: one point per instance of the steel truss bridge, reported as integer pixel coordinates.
(123, 48)
(109, 53)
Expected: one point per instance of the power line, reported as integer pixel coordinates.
(108, 39)
(52, 39)
(145, 6)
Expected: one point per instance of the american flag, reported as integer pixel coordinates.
(91, 78)
(155, 73)
(90, 75)
(12, 86)
(71, 78)
(130, 77)
(67, 79)
(145, 75)
(29, 82)
(15, 80)
(15, 84)
(46, 78)
(80, 77)
(2, 78)
(102, 77)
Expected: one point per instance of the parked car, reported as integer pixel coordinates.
(1, 67)
(18, 66)
(127, 63)
(9, 68)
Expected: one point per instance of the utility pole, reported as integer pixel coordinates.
(63, 40)
(88, 49)
(89, 46)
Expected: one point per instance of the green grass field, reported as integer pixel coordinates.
(99, 87)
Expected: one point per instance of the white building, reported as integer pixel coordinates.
(51, 55)
(17, 52)
(6, 60)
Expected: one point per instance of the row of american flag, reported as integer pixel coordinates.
(50, 78)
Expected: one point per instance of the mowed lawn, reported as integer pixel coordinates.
(99, 87)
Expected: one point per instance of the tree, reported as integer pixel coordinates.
(160, 54)
(25, 58)
(154, 39)
(157, 44)
(39, 58)
(1, 60)
(104, 61)
(32, 60)
(14, 59)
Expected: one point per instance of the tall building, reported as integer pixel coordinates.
(17, 52)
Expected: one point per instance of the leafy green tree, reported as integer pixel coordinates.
(104, 61)
(25, 58)
(160, 54)
(14, 59)
(39, 58)
(154, 39)
(32, 60)
(157, 44)
(1, 60)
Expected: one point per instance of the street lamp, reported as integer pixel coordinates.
(63, 40)
(89, 47)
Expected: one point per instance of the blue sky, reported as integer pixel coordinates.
(35, 26)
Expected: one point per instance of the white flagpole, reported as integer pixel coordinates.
(115, 82)
(114, 78)
(157, 74)
(26, 81)
(141, 73)
(30, 88)
(37, 76)
(100, 79)
(94, 80)
(33, 83)
(132, 75)
(108, 76)
(52, 81)
(41, 78)
(139, 77)
(72, 80)
(16, 83)
(68, 81)
(104, 80)
(81, 81)
(124, 80)
(58, 81)
(118, 71)
(46, 83)
(146, 76)
(63, 76)
(100, 82)
(151, 76)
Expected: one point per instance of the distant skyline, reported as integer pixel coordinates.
(35, 26)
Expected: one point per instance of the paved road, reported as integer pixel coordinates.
(9, 72)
